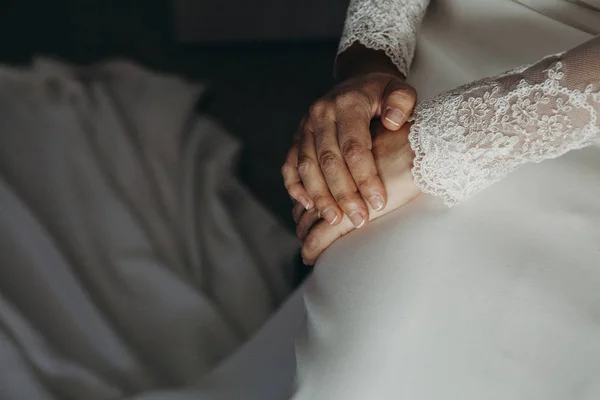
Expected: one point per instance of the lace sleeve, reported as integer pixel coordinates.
(473, 136)
(388, 25)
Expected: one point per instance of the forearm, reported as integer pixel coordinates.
(473, 136)
(360, 60)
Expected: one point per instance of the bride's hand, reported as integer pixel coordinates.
(330, 167)
(394, 159)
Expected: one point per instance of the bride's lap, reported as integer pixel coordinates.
(479, 298)
(376, 291)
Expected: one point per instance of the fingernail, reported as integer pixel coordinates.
(376, 202)
(394, 116)
(305, 203)
(330, 216)
(357, 219)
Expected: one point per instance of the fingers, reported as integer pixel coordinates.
(397, 104)
(331, 161)
(332, 166)
(312, 176)
(289, 171)
(320, 237)
(355, 142)
(297, 211)
(292, 181)
(306, 221)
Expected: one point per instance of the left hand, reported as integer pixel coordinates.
(394, 159)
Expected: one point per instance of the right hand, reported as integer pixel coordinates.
(331, 166)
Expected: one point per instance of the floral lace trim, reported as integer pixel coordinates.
(388, 25)
(469, 138)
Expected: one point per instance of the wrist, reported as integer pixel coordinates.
(360, 60)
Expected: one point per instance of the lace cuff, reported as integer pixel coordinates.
(473, 136)
(388, 25)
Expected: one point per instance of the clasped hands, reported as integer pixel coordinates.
(351, 159)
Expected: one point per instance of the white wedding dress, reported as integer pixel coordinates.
(496, 298)
(499, 296)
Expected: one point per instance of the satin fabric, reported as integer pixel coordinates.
(497, 298)
(583, 15)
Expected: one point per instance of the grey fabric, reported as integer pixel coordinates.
(130, 257)
(262, 369)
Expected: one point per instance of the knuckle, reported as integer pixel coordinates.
(312, 242)
(305, 164)
(320, 109)
(319, 199)
(366, 182)
(346, 199)
(289, 187)
(352, 202)
(286, 169)
(353, 151)
(347, 99)
(323, 202)
(295, 190)
(330, 162)
(325, 140)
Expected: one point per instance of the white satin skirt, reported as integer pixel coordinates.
(495, 299)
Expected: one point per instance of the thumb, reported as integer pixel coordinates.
(397, 104)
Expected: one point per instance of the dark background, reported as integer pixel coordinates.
(265, 61)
